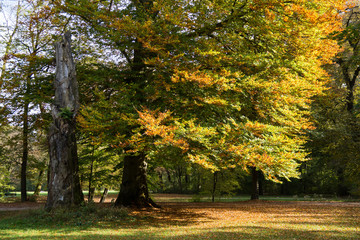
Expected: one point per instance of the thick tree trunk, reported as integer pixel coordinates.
(255, 184)
(134, 190)
(63, 183)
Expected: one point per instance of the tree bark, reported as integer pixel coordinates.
(63, 184)
(134, 191)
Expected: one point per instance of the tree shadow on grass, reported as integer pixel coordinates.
(69, 221)
(166, 223)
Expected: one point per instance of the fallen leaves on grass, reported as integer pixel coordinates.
(239, 220)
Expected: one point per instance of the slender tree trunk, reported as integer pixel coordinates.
(198, 181)
(134, 190)
(255, 184)
(63, 183)
(342, 190)
(170, 179)
(104, 195)
(38, 184)
(91, 189)
(91, 194)
(161, 181)
(25, 151)
(215, 179)
(179, 176)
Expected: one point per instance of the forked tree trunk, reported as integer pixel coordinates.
(63, 184)
(134, 190)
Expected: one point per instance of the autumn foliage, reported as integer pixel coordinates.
(228, 83)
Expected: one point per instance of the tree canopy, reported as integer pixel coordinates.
(223, 85)
(227, 82)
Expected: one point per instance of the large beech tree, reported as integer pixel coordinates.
(227, 83)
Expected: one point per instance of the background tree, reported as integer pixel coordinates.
(335, 143)
(99, 167)
(26, 81)
(7, 152)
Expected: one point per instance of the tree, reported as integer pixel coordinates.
(11, 154)
(64, 183)
(228, 83)
(98, 166)
(335, 142)
(26, 77)
(7, 166)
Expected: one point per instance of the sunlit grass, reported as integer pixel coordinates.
(241, 220)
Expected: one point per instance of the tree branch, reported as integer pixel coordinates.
(205, 31)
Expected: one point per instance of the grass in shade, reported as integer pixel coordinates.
(263, 219)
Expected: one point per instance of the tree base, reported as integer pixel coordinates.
(134, 191)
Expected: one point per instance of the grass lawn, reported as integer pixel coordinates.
(191, 220)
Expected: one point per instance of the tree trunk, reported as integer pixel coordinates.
(38, 184)
(179, 176)
(91, 188)
(104, 195)
(134, 190)
(342, 189)
(91, 194)
(161, 181)
(261, 184)
(214, 186)
(25, 151)
(255, 184)
(63, 183)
